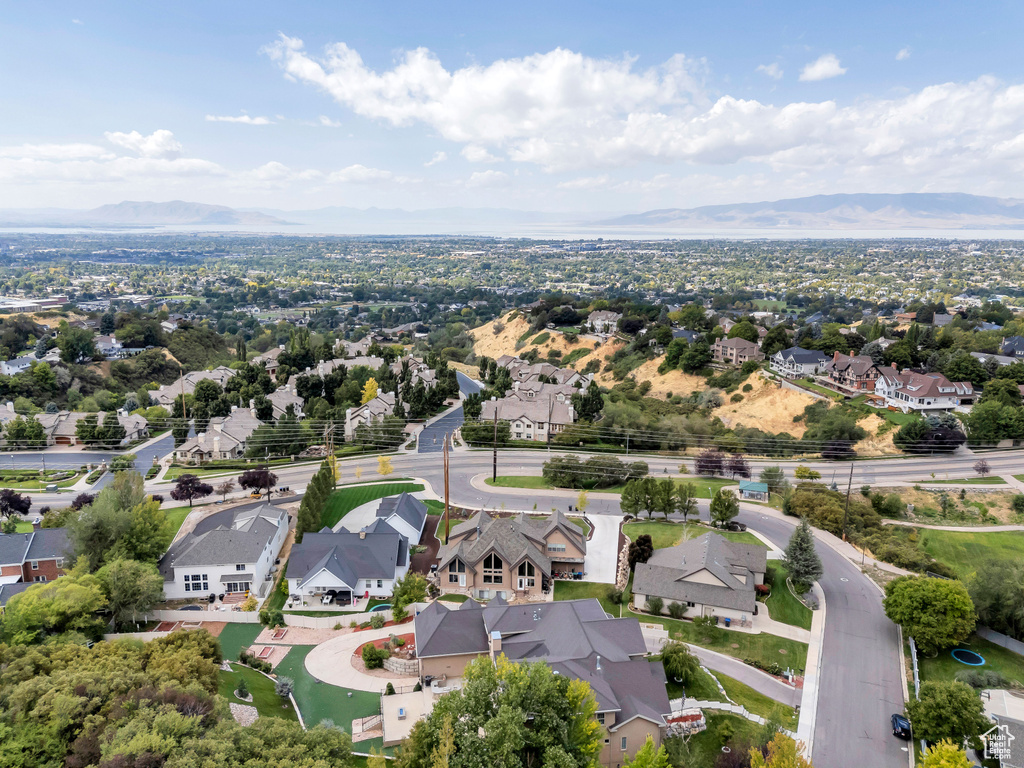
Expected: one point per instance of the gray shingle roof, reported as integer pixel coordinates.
(349, 557)
(513, 539)
(803, 356)
(227, 537)
(407, 507)
(7, 591)
(667, 573)
(14, 547)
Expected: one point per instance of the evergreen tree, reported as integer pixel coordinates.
(801, 559)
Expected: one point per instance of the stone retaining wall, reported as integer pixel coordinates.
(404, 667)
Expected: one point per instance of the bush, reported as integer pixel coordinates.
(272, 617)
(377, 621)
(284, 686)
(736, 398)
(748, 387)
(1018, 503)
(655, 604)
(417, 688)
(981, 679)
(389, 690)
(616, 595)
(242, 690)
(373, 657)
(676, 610)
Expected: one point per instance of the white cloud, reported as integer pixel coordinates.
(903, 55)
(488, 179)
(359, 174)
(326, 122)
(439, 157)
(161, 144)
(477, 154)
(77, 21)
(56, 152)
(243, 119)
(773, 70)
(585, 182)
(822, 68)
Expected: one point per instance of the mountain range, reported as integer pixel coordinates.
(842, 212)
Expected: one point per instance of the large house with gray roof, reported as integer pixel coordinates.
(708, 576)
(348, 565)
(576, 638)
(230, 552)
(796, 362)
(405, 514)
(509, 556)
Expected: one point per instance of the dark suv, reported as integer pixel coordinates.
(900, 727)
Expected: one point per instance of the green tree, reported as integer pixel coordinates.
(946, 754)
(775, 340)
(75, 344)
(631, 500)
(665, 497)
(801, 558)
(1002, 391)
(311, 509)
(783, 752)
(67, 604)
(686, 499)
(649, 756)
(131, 588)
(774, 478)
(724, 507)
(680, 665)
(696, 358)
(25, 433)
(947, 710)
(937, 613)
(411, 588)
(998, 596)
(110, 434)
(86, 428)
(640, 551)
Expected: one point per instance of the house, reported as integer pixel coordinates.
(852, 374)
(682, 333)
(371, 412)
(18, 364)
(167, 393)
(753, 490)
(941, 320)
(269, 360)
(61, 428)
(32, 557)
(1000, 360)
(405, 514)
(535, 420)
(231, 551)
(1013, 346)
(708, 575)
(921, 392)
(735, 351)
(108, 346)
(604, 321)
(904, 318)
(576, 638)
(795, 362)
(347, 565)
(487, 556)
(224, 438)
(283, 397)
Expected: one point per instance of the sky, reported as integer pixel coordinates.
(593, 107)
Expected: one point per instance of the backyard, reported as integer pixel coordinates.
(782, 604)
(997, 659)
(261, 687)
(343, 501)
(668, 534)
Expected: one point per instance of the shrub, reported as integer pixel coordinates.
(748, 387)
(1018, 503)
(272, 617)
(616, 595)
(655, 604)
(373, 657)
(377, 621)
(284, 686)
(389, 690)
(250, 604)
(736, 398)
(417, 688)
(242, 690)
(676, 610)
(981, 679)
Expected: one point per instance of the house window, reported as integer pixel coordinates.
(60, 562)
(239, 566)
(623, 744)
(35, 565)
(197, 582)
(455, 567)
(600, 717)
(380, 583)
(40, 578)
(527, 571)
(556, 547)
(690, 605)
(492, 569)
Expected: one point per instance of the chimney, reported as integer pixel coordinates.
(234, 408)
(280, 346)
(494, 645)
(598, 667)
(216, 445)
(362, 534)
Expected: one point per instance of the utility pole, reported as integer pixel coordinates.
(494, 462)
(846, 511)
(444, 455)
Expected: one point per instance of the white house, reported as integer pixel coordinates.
(108, 346)
(921, 392)
(795, 362)
(232, 551)
(604, 321)
(404, 513)
(371, 412)
(17, 365)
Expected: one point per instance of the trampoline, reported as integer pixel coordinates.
(970, 658)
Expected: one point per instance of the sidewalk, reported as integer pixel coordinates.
(331, 662)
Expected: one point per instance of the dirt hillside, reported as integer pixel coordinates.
(676, 382)
(494, 345)
(875, 444)
(767, 407)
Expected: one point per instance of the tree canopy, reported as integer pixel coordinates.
(937, 613)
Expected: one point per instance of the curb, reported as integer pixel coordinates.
(809, 699)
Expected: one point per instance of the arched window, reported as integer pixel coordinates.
(492, 569)
(527, 574)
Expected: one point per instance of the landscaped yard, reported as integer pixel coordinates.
(997, 659)
(783, 605)
(668, 534)
(964, 552)
(174, 518)
(991, 480)
(343, 501)
(754, 701)
(234, 637)
(706, 486)
(264, 698)
(703, 688)
(579, 590)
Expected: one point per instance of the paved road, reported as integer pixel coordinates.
(431, 439)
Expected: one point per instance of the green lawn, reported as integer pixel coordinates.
(234, 637)
(991, 480)
(783, 605)
(706, 745)
(754, 701)
(452, 598)
(30, 480)
(997, 659)
(520, 481)
(578, 590)
(343, 501)
(320, 701)
(668, 534)
(703, 688)
(174, 518)
(23, 527)
(963, 551)
(266, 701)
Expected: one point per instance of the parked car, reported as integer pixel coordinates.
(256, 495)
(734, 526)
(900, 727)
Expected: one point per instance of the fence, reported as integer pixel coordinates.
(736, 709)
(144, 636)
(344, 619)
(786, 384)
(231, 617)
(1000, 639)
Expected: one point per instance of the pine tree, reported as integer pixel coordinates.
(801, 559)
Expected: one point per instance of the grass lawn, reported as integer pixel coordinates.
(754, 701)
(32, 482)
(819, 389)
(703, 688)
(963, 551)
(174, 518)
(706, 486)
(782, 604)
(266, 701)
(454, 598)
(997, 659)
(234, 637)
(991, 480)
(668, 534)
(320, 701)
(23, 527)
(343, 501)
(707, 744)
(578, 590)
(520, 481)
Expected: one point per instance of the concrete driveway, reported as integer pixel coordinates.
(601, 561)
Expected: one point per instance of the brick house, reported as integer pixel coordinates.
(852, 374)
(36, 556)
